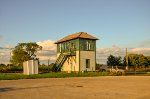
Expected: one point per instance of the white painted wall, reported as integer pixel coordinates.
(30, 67)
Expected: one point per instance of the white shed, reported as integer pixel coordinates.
(30, 67)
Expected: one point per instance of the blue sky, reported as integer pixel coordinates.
(119, 24)
(125, 23)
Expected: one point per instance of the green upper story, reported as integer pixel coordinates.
(76, 42)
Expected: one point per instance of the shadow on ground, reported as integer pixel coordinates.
(13, 89)
(6, 89)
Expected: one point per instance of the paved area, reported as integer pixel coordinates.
(107, 87)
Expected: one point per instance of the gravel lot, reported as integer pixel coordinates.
(106, 87)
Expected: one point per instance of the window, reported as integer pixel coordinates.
(88, 45)
(87, 63)
(65, 47)
(60, 47)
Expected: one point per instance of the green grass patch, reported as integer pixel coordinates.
(15, 76)
(137, 74)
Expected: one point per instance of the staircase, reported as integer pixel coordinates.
(59, 62)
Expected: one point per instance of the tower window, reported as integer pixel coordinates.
(88, 45)
(60, 47)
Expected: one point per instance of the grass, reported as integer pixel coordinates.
(16, 76)
(137, 74)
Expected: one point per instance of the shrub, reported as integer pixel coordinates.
(11, 69)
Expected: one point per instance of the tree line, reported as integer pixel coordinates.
(134, 60)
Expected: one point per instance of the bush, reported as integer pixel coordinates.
(98, 66)
(44, 69)
(11, 69)
(19, 69)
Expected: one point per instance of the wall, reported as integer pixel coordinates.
(71, 63)
(87, 55)
(30, 67)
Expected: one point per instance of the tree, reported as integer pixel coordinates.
(137, 60)
(134, 60)
(147, 61)
(124, 63)
(114, 61)
(25, 51)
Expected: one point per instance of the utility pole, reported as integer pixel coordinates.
(126, 59)
(48, 63)
(10, 56)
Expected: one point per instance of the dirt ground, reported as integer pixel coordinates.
(107, 87)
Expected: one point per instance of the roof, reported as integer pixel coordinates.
(76, 35)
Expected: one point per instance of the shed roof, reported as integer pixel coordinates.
(76, 35)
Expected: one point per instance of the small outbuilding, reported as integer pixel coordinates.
(30, 67)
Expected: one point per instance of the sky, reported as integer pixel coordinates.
(118, 24)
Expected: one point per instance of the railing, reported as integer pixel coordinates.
(59, 62)
(69, 53)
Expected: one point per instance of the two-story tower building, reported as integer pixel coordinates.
(76, 52)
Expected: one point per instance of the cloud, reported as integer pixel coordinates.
(48, 51)
(4, 56)
(144, 51)
(103, 53)
(45, 55)
(47, 45)
(7, 46)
